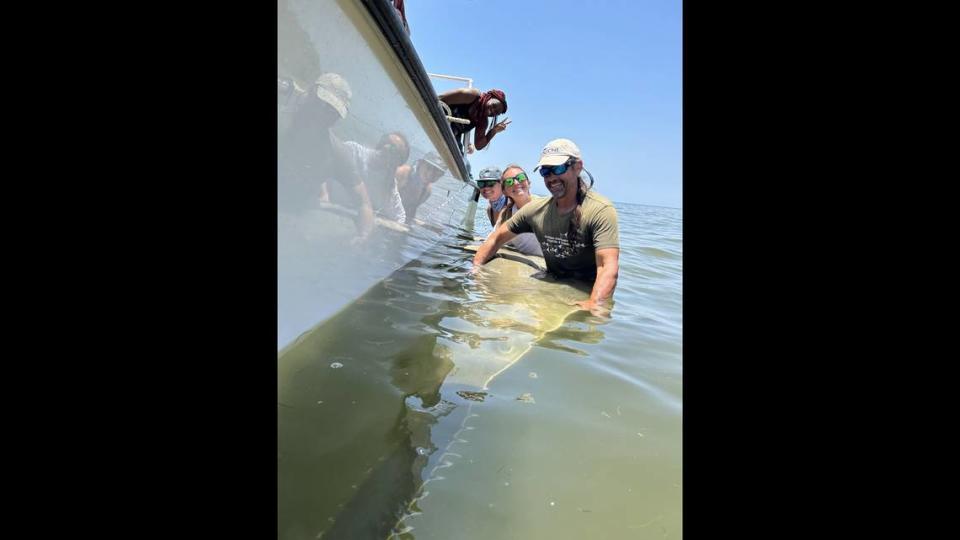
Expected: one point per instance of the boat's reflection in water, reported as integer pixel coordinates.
(371, 399)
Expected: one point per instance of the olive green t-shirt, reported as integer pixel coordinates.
(565, 255)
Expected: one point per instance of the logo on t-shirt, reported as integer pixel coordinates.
(560, 247)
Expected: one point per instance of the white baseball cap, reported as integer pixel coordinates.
(557, 152)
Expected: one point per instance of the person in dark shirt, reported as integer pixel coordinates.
(470, 104)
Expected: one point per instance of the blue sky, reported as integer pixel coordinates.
(606, 74)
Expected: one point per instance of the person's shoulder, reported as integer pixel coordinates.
(356, 153)
(599, 208)
(537, 202)
(599, 199)
(535, 205)
(599, 204)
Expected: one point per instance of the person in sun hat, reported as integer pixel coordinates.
(415, 181)
(492, 191)
(308, 151)
(333, 89)
(577, 228)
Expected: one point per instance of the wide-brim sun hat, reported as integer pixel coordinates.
(334, 89)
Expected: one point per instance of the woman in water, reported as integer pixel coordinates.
(516, 186)
(492, 191)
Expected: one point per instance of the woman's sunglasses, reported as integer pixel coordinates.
(522, 177)
(487, 183)
(546, 171)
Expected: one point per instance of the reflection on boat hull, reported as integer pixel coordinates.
(352, 112)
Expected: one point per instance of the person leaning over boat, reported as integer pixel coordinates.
(415, 182)
(470, 104)
(307, 147)
(516, 186)
(576, 227)
(377, 168)
(492, 191)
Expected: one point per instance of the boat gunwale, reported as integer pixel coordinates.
(388, 22)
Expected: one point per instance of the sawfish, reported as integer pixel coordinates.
(369, 396)
(521, 304)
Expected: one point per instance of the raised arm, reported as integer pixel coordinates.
(608, 269)
(481, 139)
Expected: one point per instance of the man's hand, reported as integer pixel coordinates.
(599, 310)
(608, 268)
(489, 248)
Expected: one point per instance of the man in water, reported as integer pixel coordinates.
(576, 227)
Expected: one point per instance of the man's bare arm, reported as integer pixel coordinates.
(495, 241)
(608, 270)
(366, 210)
